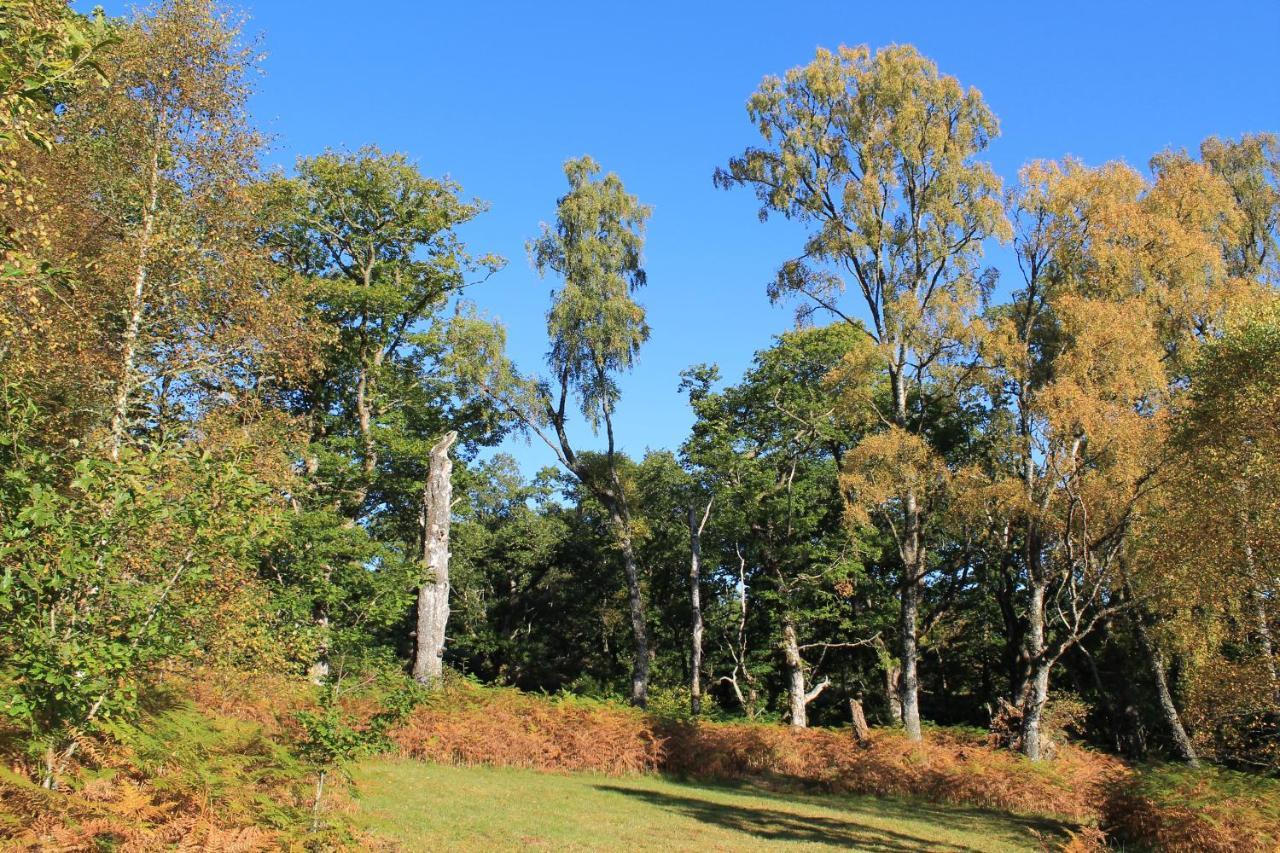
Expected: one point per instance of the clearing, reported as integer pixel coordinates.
(434, 807)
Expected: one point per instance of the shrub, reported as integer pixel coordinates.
(1198, 811)
(954, 767)
(467, 724)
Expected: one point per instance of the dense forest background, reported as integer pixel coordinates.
(224, 391)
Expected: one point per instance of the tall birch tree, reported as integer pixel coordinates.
(877, 154)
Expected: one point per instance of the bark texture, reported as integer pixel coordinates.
(1037, 688)
(1173, 720)
(798, 697)
(137, 306)
(433, 597)
(695, 607)
(861, 731)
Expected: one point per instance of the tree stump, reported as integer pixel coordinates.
(860, 729)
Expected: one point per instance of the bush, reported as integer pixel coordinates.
(954, 767)
(467, 724)
(1198, 811)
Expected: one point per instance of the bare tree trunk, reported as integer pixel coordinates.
(137, 306)
(738, 649)
(1037, 688)
(695, 607)
(861, 731)
(1156, 661)
(908, 684)
(639, 631)
(795, 674)
(892, 682)
(799, 699)
(433, 596)
(893, 686)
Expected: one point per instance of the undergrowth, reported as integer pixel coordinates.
(197, 769)
(1210, 810)
(225, 761)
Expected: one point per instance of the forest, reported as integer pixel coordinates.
(1010, 482)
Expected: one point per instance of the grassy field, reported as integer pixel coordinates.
(433, 807)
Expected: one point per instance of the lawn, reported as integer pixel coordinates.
(434, 807)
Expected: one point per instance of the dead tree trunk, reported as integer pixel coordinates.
(799, 698)
(861, 731)
(892, 678)
(695, 607)
(433, 596)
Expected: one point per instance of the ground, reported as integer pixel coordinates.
(432, 807)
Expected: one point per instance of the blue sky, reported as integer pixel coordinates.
(498, 95)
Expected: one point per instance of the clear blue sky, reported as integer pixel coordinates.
(497, 95)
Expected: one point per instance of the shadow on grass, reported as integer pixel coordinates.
(1007, 826)
(774, 825)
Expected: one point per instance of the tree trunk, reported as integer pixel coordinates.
(319, 669)
(908, 685)
(861, 731)
(911, 549)
(1266, 643)
(1037, 687)
(795, 675)
(433, 596)
(695, 607)
(639, 632)
(137, 306)
(1156, 661)
(892, 682)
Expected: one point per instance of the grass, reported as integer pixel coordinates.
(435, 807)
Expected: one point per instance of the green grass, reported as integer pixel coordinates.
(432, 807)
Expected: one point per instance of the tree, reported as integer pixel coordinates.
(595, 330)
(433, 595)
(1250, 166)
(377, 242)
(1122, 278)
(696, 527)
(1204, 568)
(531, 606)
(150, 217)
(768, 449)
(110, 569)
(877, 153)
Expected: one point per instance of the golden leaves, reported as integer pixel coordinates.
(885, 467)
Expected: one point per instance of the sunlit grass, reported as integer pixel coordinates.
(434, 807)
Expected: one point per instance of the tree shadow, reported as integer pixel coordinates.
(1016, 827)
(774, 825)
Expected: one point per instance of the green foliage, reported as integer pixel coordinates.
(594, 326)
(103, 568)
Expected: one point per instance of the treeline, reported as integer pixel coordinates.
(1035, 498)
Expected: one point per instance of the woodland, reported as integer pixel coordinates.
(1023, 517)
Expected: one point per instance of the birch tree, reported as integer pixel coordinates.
(877, 154)
(1122, 278)
(595, 330)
